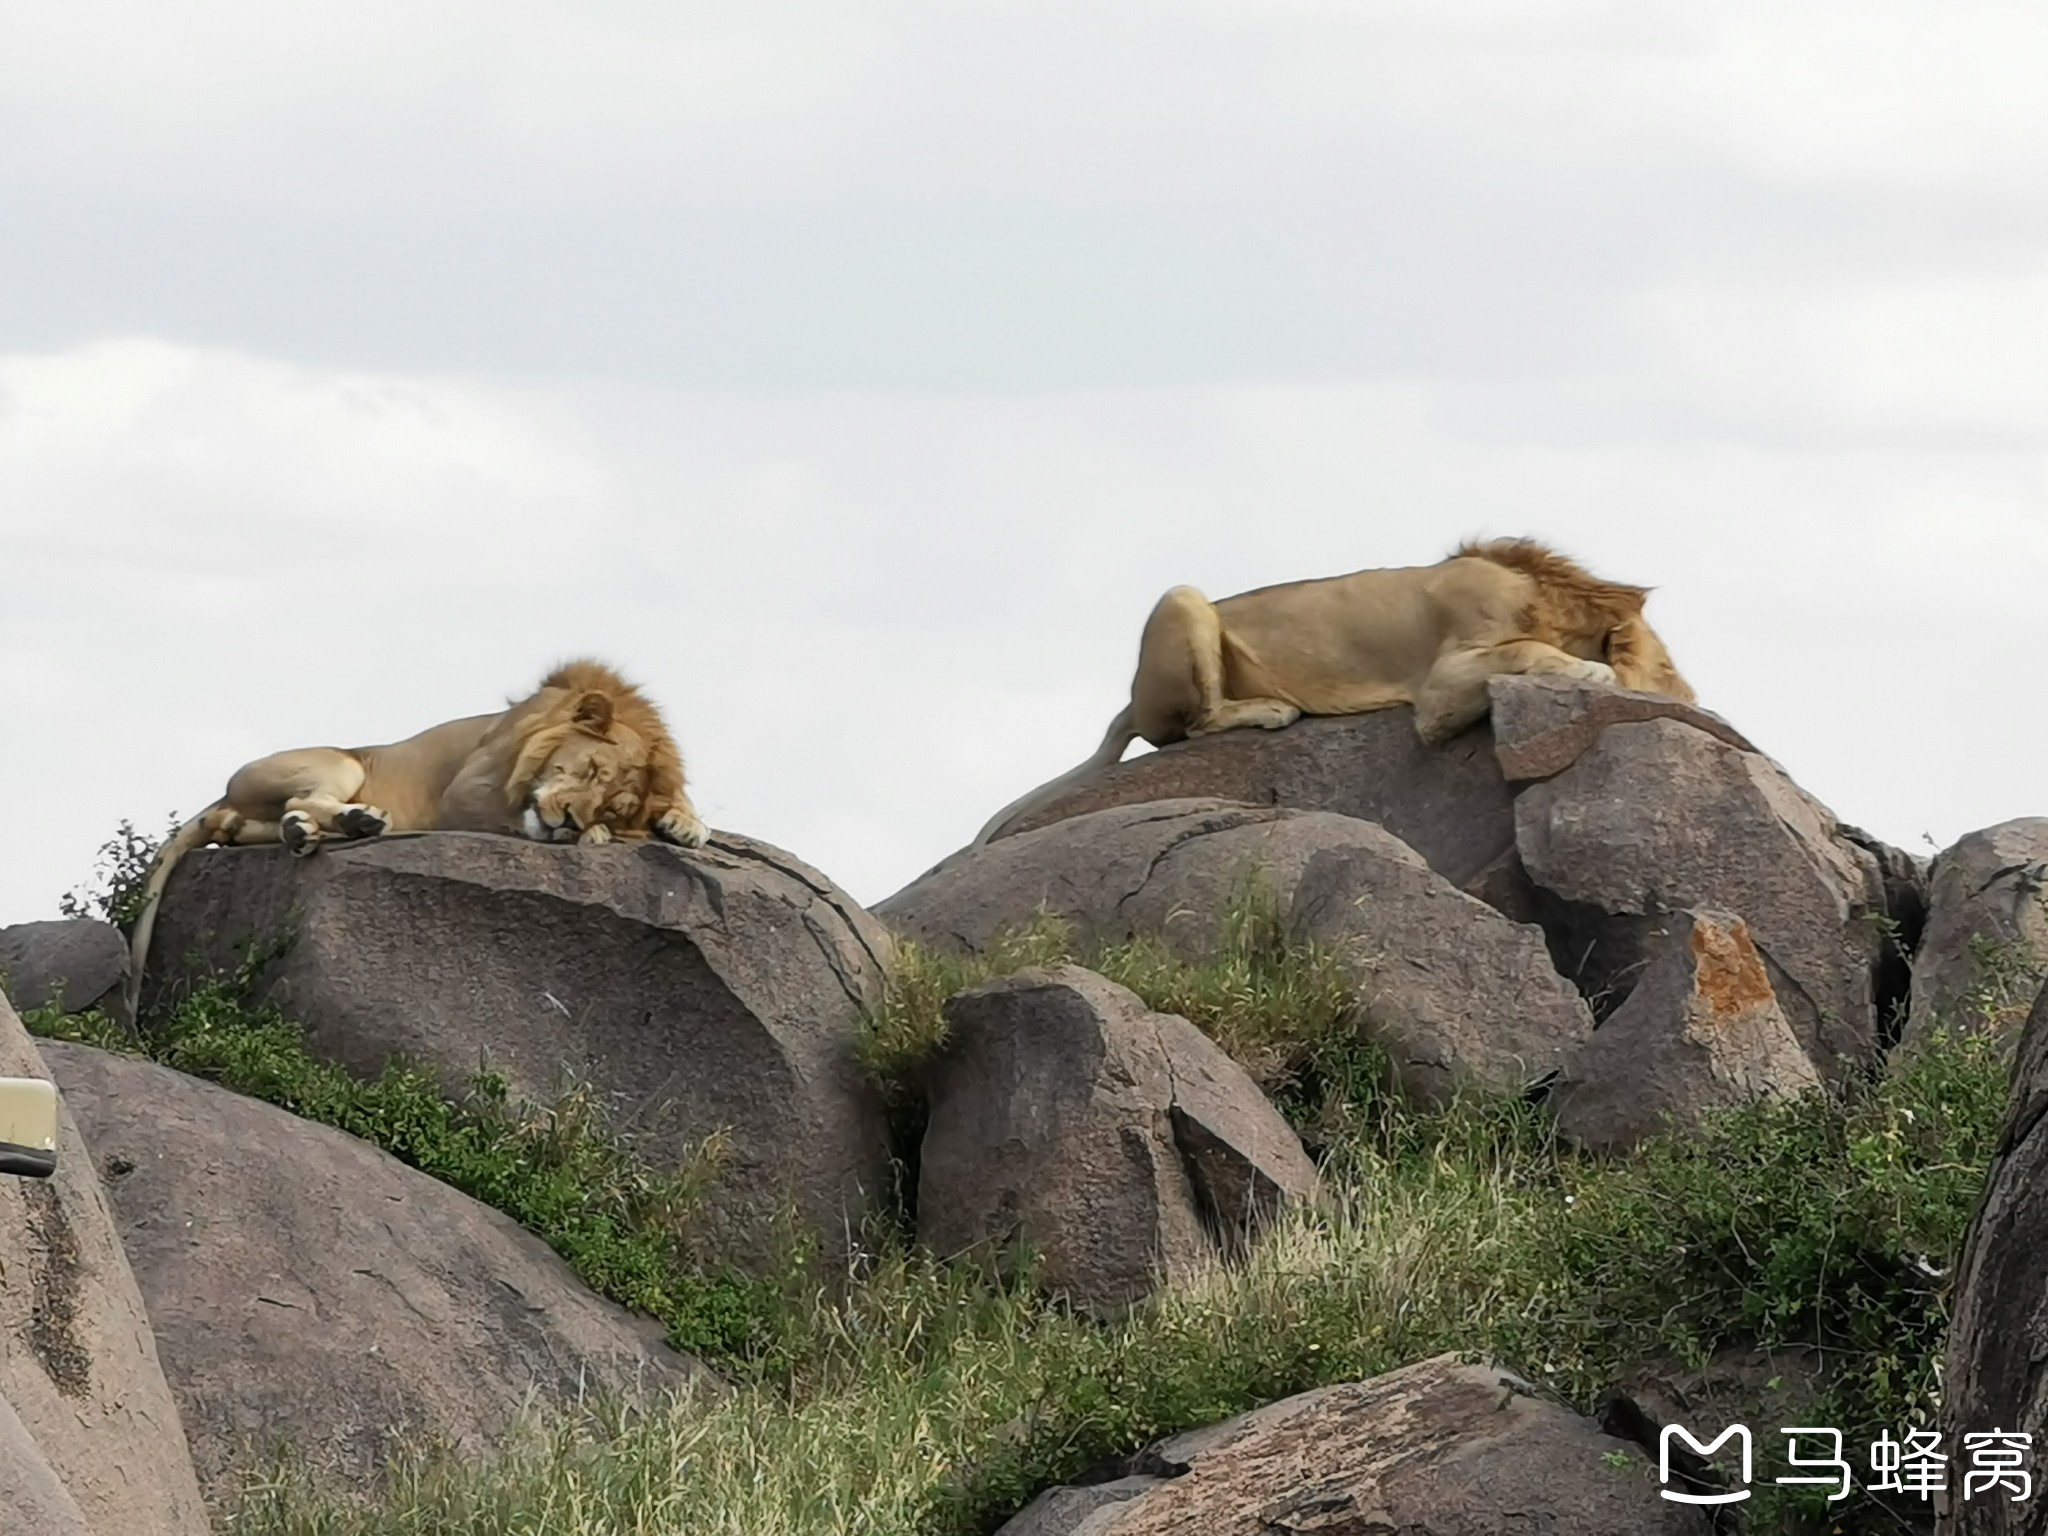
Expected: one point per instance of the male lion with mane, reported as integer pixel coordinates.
(586, 759)
(1429, 636)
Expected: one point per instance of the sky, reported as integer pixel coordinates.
(856, 377)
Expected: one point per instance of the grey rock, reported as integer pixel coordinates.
(1170, 868)
(72, 961)
(1449, 803)
(1082, 1511)
(1542, 724)
(78, 1362)
(1984, 952)
(1999, 1335)
(698, 991)
(32, 1497)
(309, 1291)
(1454, 991)
(1436, 1449)
(1656, 816)
(1067, 1117)
(1701, 1031)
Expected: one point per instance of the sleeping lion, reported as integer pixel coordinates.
(585, 759)
(1429, 636)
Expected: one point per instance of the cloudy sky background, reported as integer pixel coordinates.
(856, 377)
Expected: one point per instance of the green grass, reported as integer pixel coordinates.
(904, 1397)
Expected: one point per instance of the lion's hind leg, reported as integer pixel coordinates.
(1454, 696)
(1179, 689)
(308, 795)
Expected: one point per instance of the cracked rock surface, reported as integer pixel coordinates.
(694, 990)
(1434, 1449)
(304, 1286)
(1117, 1144)
(90, 1440)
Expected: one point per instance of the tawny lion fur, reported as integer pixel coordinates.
(1427, 636)
(585, 759)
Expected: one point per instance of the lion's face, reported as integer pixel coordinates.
(588, 781)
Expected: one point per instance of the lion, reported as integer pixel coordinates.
(585, 759)
(1426, 636)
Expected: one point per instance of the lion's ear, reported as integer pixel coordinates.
(594, 713)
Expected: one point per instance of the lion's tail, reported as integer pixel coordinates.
(193, 834)
(1120, 735)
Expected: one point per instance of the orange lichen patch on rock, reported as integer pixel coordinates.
(1728, 974)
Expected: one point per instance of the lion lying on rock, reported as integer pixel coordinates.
(585, 759)
(1429, 636)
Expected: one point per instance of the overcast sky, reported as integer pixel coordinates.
(857, 376)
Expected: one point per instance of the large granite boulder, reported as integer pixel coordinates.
(1701, 1031)
(1169, 869)
(311, 1292)
(704, 990)
(1656, 816)
(1542, 724)
(1984, 952)
(78, 1364)
(1998, 1340)
(1118, 1145)
(1454, 991)
(1449, 803)
(72, 962)
(1436, 1449)
(32, 1497)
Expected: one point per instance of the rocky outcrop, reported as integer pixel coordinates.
(78, 1363)
(698, 991)
(1451, 989)
(75, 963)
(1169, 869)
(1702, 1030)
(1543, 724)
(1999, 1336)
(1437, 1449)
(1449, 803)
(1116, 1144)
(1657, 816)
(307, 1290)
(1984, 952)
(32, 1497)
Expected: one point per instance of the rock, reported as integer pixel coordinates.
(78, 1363)
(1077, 1511)
(1436, 1449)
(1993, 1379)
(1448, 803)
(1453, 990)
(696, 990)
(32, 1497)
(1543, 724)
(1118, 1144)
(1170, 869)
(73, 962)
(1702, 1030)
(1656, 816)
(1984, 952)
(308, 1289)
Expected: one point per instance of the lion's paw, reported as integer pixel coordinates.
(681, 827)
(595, 835)
(1591, 672)
(363, 821)
(299, 832)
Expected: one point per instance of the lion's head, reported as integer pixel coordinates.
(595, 761)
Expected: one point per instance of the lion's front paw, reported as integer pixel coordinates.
(595, 835)
(679, 825)
(299, 832)
(363, 821)
(1591, 672)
